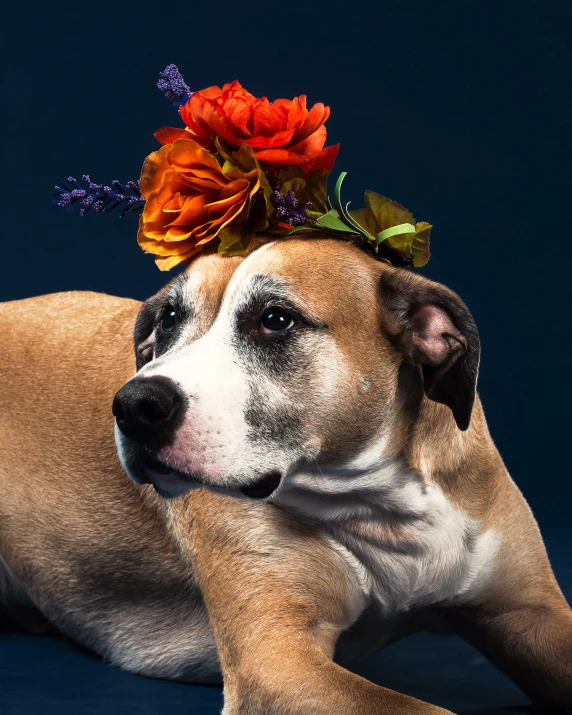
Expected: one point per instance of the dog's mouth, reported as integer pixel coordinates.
(263, 487)
(170, 482)
(166, 480)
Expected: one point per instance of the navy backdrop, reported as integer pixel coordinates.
(461, 111)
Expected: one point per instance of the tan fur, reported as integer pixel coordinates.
(277, 597)
(77, 534)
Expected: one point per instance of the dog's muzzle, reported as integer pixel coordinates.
(148, 412)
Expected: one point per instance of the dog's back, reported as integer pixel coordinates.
(53, 342)
(63, 354)
(77, 538)
(53, 347)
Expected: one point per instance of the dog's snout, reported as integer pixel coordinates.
(148, 407)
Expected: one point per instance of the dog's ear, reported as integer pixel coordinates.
(144, 335)
(435, 330)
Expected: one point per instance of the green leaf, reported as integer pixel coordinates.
(243, 159)
(288, 173)
(394, 224)
(390, 233)
(302, 229)
(267, 194)
(420, 246)
(223, 149)
(386, 213)
(296, 185)
(317, 192)
(366, 221)
(332, 221)
(232, 239)
(239, 248)
(342, 212)
(311, 189)
(258, 214)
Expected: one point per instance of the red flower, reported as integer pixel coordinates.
(283, 132)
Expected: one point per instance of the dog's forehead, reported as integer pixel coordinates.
(321, 274)
(203, 285)
(329, 278)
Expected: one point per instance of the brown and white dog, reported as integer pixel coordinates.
(335, 396)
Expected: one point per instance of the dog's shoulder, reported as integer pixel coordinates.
(74, 317)
(58, 344)
(57, 305)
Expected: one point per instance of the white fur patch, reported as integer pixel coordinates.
(214, 430)
(406, 544)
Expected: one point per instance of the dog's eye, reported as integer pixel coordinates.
(169, 319)
(276, 320)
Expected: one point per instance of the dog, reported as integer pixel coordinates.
(311, 476)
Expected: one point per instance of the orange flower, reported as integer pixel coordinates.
(189, 201)
(283, 132)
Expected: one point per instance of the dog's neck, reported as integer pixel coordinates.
(461, 464)
(389, 479)
(410, 512)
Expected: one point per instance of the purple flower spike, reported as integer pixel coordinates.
(288, 208)
(173, 85)
(96, 197)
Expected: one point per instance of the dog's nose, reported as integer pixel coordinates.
(148, 408)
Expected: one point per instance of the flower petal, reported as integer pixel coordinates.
(209, 118)
(314, 120)
(160, 248)
(152, 170)
(297, 112)
(268, 142)
(238, 112)
(185, 154)
(210, 92)
(325, 160)
(168, 135)
(166, 264)
(266, 119)
(283, 157)
(312, 145)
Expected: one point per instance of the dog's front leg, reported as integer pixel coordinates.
(278, 596)
(531, 643)
(524, 626)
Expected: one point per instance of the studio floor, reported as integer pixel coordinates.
(41, 676)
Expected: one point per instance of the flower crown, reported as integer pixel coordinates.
(243, 166)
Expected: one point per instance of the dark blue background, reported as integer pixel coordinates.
(461, 111)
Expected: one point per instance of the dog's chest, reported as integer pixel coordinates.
(406, 545)
(433, 555)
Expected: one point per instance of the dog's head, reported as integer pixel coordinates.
(305, 354)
